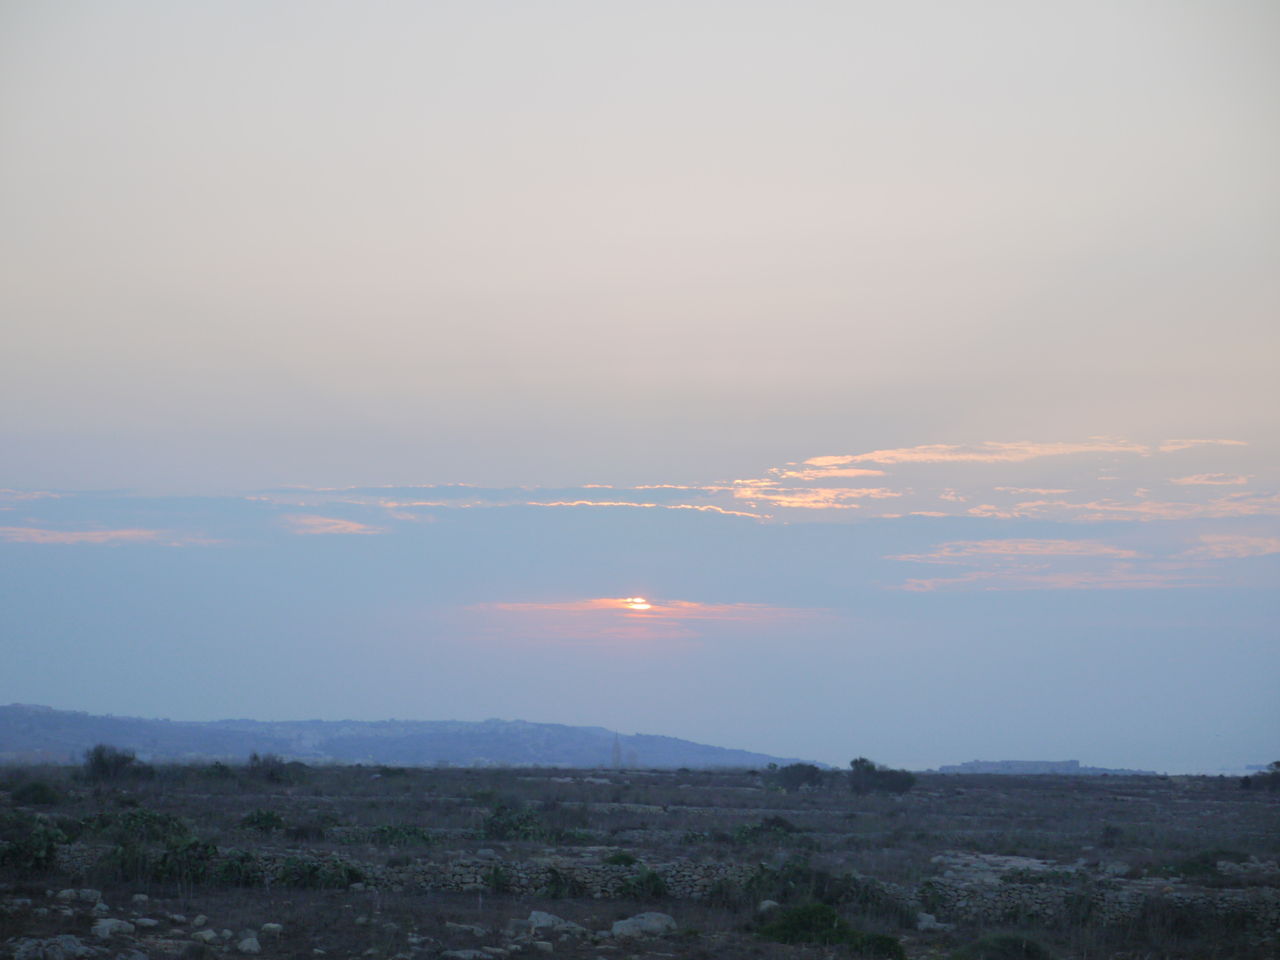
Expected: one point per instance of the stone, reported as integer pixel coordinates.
(138, 899)
(100, 909)
(204, 936)
(467, 928)
(927, 921)
(146, 922)
(767, 906)
(464, 955)
(543, 946)
(199, 921)
(645, 925)
(249, 945)
(89, 895)
(131, 955)
(66, 894)
(106, 928)
(271, 929)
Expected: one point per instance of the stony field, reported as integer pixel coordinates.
(283, 860)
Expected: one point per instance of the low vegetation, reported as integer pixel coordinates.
(861, 862)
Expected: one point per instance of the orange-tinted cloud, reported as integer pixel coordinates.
(1212, 480)
(1173, 446)
(996, 451)
(1233, 547)
(701, 507)
(831, 473)
(310, 523)
(813, 498)
(35, 535)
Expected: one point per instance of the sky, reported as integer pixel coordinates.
(915, 363)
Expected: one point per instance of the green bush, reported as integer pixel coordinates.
(620, 859)
(36, 793)
(1003, 946)
(28, 842)
(511, 821)
(794, 776)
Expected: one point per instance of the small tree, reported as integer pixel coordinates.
(105, 762)
(797, 775)
(866, 776)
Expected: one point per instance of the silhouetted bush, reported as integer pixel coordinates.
(868, 777)
(105, 762)
(794, 776)
(645, 885)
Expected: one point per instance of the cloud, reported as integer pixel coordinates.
(1212, 480)
(36, 535)
(996, 451)
(1119, 578)
(965, 551)
(1215, 546)
(701, 507)
(832, 473)
(1173, 446)
(310, 523)
(1034, 491)
(13, 495)
(813, 498)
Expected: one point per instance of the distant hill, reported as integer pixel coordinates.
(42, 734)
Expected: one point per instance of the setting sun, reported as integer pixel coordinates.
(636, 603)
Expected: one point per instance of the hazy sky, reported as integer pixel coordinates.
(917, 361)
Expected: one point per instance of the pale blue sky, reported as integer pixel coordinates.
(926, 351)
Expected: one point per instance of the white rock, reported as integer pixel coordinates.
(66, 894)
(88, 895)
(199, 921)
(204, 936)
(767, 906)
(271, 929)
(146, 922)
(249, 945)
(645, 925)
(138, 899)
(105, 928)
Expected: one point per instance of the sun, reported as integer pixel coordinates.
(636, 603)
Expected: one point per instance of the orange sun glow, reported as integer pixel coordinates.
(636, 603)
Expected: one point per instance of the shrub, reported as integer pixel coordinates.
(264, 821)
(498, 880)
(620, 859)
(274, 769)
(819, 923)
(797, 775)
(105, 762)
(511, 821)
(28, 842)
(36, 793)
(1002, 946)
(400, 835)
(645, 885)
(868, 777)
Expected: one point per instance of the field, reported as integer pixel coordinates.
(387, 862)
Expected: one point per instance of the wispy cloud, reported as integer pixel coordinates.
(310, 523)
(37, 535)
(1234, 547)
(965, 551)
(1173, 446)
(701, 507)
(813, 498)
(995, 451)
(1117, 578)
(1212, 480)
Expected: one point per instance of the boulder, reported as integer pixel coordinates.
(107, 928)
(271, 929)
(645, 925)
(249, 945)
(88, 895)
(204, 936)
(767, 906)
(65, 947)
(139, 899)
